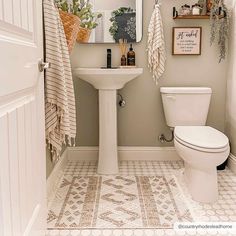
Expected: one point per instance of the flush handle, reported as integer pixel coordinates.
(43, 65)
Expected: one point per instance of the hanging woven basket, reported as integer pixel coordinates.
(83, 35)
(71, 24)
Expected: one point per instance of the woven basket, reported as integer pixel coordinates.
(71, 24)
(83, 35)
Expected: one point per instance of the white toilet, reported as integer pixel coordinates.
(201, 147)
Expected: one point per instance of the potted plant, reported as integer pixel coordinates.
(219, 19)
(71, 23)
(83, 10)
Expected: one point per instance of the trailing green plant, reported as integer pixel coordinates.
(62, 4)
(83, 9)
(202, 4)
(119, 12)
(219, 20)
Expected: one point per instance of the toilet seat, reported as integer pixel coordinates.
(201, 138)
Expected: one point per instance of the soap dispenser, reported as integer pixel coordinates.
(131, 56)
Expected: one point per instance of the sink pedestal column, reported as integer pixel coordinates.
(108, 156)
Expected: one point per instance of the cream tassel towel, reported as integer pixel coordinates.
(59, 90)
(156, 44)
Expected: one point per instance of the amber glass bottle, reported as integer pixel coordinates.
(131, 57)
(123, 60)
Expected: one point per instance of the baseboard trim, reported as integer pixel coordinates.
(56, 175)
(232, 162)
(125, 153)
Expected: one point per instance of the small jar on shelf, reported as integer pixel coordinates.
(196, 9)
(185, 10)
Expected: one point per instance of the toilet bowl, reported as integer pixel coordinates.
(202, 148)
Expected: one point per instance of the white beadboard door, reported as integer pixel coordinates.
(22, 138)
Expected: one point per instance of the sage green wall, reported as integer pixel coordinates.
(231, 95)
(142, 119)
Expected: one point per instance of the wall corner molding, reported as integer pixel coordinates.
(56, 175)
(128, 153)
(232, 163)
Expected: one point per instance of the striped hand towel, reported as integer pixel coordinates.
(59, 90)
(156, 44)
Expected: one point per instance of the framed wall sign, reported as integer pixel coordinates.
(186, 40)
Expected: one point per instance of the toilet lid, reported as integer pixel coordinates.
(201, 136)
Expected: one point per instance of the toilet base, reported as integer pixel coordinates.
(202, 184)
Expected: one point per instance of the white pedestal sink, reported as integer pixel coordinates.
(107, 81)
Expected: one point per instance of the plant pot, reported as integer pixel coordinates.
(83, 35)
(71, 24)
(209, 4)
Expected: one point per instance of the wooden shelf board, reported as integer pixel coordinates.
(192, 17)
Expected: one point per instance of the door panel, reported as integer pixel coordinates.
(21, 41)
(14, 170)
(22, 164)
(5, 183)
(16, 12)
(1, 9)
(7, 9)
(24, 14)
(22, 138)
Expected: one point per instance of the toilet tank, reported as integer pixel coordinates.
(185, 106)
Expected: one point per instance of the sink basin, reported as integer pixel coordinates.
(107, 78)
(107, 81)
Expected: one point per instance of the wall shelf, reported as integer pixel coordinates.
(193, 17)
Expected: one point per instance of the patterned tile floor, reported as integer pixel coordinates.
(222, 211)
